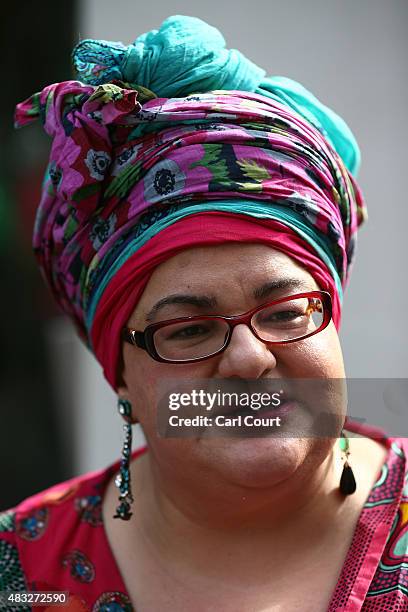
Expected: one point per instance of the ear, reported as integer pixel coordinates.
(122, 392)
(121, 385)
(122, 388)
(123, 395)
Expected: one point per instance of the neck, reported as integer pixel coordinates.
(207, 525)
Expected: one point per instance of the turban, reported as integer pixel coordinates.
(175, 142)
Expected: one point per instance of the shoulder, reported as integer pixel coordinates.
(378, 444)
(56, 540)
(382, 461)
(34, 534)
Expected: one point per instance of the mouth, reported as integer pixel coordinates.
(284, 407)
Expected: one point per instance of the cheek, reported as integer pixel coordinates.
(318, 364)
(317, 357)
(148, 381)
(328, 347)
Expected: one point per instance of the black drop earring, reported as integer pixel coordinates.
(347, 480)
(122, 480)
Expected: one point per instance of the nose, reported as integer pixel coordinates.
(245, 356)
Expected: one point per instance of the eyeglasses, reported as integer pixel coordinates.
(187, 339)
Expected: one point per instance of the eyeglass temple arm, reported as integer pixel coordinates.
(134, 337)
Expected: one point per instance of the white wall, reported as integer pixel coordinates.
(352, 55)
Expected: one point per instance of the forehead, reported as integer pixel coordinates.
(217, 255)
(221, 268)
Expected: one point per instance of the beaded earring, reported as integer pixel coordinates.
(347, 480)
(122, 480)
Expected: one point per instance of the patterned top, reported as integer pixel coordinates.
(56, 541)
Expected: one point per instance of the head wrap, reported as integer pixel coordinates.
(134, 178)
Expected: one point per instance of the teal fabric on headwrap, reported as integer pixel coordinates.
(187, 55)
(184, 55)
(333, 127)
(146, 230)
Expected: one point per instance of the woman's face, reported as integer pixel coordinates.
(229, 276)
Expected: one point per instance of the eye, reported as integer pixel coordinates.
(282, 316)
(188, 332)
(285, 315)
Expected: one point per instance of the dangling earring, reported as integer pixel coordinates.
(347, 480)
(122, 480)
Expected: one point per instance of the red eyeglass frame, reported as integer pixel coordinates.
(144, 339)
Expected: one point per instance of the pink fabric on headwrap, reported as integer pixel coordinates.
(127, 286)
(121, 172)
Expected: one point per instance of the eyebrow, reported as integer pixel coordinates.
(210, 302)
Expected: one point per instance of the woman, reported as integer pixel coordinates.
(206, 236)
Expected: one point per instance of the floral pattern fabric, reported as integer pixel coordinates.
(56, 541)
(120, 157)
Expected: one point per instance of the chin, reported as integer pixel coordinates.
(257, 462)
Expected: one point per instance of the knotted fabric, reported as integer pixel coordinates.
(186, 55)
(134, 178)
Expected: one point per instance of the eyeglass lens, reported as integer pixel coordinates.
(289, 320)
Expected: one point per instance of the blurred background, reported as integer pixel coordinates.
(58, 414)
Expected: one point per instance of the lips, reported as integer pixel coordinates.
(285, 408)
(236, 410)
